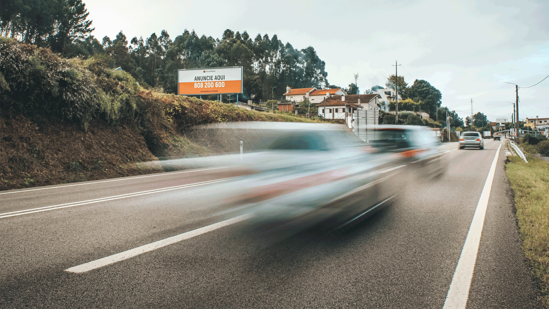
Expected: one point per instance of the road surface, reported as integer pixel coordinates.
(74, 246)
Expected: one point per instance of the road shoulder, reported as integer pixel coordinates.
(502, 278)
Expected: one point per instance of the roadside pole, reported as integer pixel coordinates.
(448, 125)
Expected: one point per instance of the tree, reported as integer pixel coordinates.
(402, 85)
(480, 120)
(430, 96)
(353, 89)
(72, 25)
(53, 23)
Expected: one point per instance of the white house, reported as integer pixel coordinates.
(387, 95)
(336, 109)
(312, 94)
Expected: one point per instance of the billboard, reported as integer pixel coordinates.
(210, 81)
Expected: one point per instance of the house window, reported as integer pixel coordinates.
(323, 111)
(336, 110)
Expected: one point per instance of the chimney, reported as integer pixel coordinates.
(288, 89)
(343, 98)
(327, 94)
(358, 101)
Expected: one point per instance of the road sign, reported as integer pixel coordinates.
(210, 81)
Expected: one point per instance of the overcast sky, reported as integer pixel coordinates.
(466, 49)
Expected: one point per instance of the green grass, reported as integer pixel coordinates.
(530, 182)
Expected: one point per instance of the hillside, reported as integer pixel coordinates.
(65, 120)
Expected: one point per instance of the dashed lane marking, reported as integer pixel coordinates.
(152, 246)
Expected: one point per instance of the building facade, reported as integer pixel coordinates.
(314, 95)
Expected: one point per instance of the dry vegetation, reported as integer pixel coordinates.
(65, 120)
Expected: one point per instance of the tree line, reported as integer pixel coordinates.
(63, 25)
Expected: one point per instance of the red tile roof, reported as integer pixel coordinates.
(298, 91)
(351, 98)
(337, 103)
(325, 91)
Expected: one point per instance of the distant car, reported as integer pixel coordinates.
(471, 139)
(497, 136)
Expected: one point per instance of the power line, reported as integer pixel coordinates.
(537, 83)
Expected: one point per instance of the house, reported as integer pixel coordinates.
(386, 94)
(366, 101)
(312, 94)
(337, 109)
(539, 123)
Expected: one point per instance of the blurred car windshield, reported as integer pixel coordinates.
(299, 141)
(471, 134)
(316, 140)
(390, 138)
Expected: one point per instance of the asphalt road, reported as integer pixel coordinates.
(405, 256)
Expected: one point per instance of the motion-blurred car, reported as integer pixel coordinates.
(414, 145)
(471, 139)
(311, 174)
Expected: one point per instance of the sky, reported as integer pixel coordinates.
(469, 50)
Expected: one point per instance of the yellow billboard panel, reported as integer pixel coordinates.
(210, 81)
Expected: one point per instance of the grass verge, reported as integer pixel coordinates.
(530, 182)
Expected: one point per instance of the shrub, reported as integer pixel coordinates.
(35, 82)
(389, 119)
(532, 139)
(543, 148)
(413, 119)
(75, 166)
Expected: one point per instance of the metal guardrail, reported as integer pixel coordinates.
(518, 151)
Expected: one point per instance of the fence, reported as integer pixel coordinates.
(362, 120)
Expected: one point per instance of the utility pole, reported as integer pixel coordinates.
(447, 124)
(356, 82)
(471, 112)
(514, 113)
(396, 89)
(517, 99)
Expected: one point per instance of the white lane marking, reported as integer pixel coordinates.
(109, 198)
(391, 169)
(461, 282)
(152, 246)
(110, 180)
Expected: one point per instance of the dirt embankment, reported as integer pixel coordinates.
(35, 156)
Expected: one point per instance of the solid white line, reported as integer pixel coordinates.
(152, 246)
(463, 276)
(109, 198)
(109, 180)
